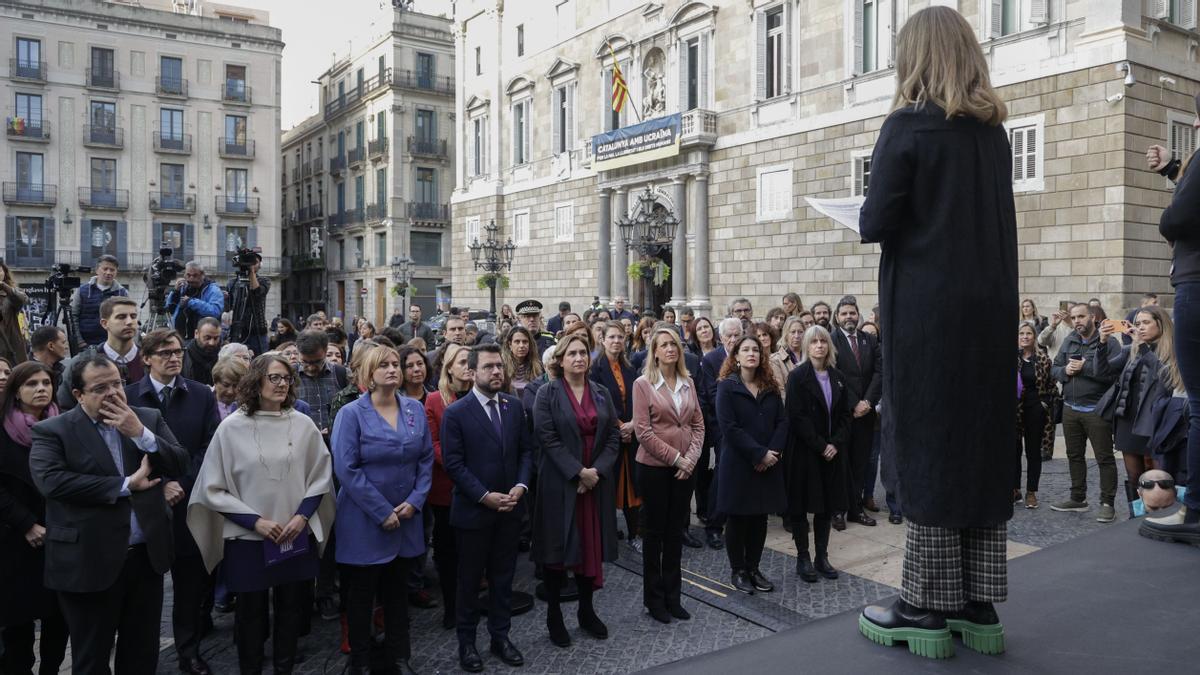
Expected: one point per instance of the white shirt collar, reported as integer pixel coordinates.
(681, 383)
(483, 400)
(158, 386)
(112, 353)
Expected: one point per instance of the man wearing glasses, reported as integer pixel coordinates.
(108, 537)
(190, 409)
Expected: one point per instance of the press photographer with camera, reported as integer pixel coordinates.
(194, 298)
(247, 295)
(85, 302)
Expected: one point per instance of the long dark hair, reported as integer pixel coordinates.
(250, 388)
(18, 377)
(763, 374)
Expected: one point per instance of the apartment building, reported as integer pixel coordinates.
(130, 126)
(765, 102)
(368, 178)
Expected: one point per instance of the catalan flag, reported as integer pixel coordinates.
(620, 91)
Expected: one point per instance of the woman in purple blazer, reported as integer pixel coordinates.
(383, 456)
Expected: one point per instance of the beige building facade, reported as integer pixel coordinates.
(783, 99)
(368, 178)
(129, 126)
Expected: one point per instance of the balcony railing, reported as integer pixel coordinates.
(295, 174)
(25, 194)
(419, 147)
(175, 202)
(236, 148)
(23, 69)
(305, 169)
(356, 94)
(318, 165)
(356, 155)
(34, 248)
(377, 148)
(307, 262)
(428, 211)
(111, 199)
(236, 206)
(103, 79)
(103, 136)
(335, 222)
(440, 84)
(376, 212)
(337, 164)
(236, 92)
(310, 212)
(23, 130)
(178, 144)
(698, 126)
(353, 216)
(175, 87)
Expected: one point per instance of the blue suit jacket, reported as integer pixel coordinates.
(479, 462)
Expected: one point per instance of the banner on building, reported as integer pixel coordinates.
(650, 140)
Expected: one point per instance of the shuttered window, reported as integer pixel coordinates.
(520, 222)
(564, 223)
(1181, 136)
(1025, 136)
(472, 231)
(563, 105)
(521, 133)
(860, 173)
(774, 192)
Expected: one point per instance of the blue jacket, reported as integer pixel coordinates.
(210, 302)
(380, 468)
(86, 305)
(480, 462)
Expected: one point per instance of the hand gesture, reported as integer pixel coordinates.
(140, 479)
(829, 453)
(588, 478)
(1107, 328)
(1074, 366)
(626, 432)
(771, 458)
(269, 529)
(36, 536)
(862, 408)
(515, 494)
(496, 501)
(1057, 318)
(391, 522)
(173, 491)
(405, 511)
(293, 529)
(118, 415)
(1157, 157)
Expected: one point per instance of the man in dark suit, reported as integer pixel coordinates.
(487, 450)
(860, 361)
(190, 410)
(729, 331)
(108, 533)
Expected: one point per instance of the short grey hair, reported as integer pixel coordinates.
(725, 328)
(194, 265)
(739, 301)
(231, 349)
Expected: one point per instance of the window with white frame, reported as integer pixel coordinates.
(774, 65)
(564, 223)
(521, 132)
(869, 35)
(472, 231)
(563, 105)
(1181, 135)
(774, 192)
(1026, 136)
(860, 173)
(693, 71)
(477, 142)
(1182, 13)
(520, 221)
(1006, 17)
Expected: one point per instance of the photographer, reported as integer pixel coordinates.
(85, 303)
(194, 298)
(249, 325)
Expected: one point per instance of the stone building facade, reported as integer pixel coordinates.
(782, 100)
(129, 126)
(368, 178)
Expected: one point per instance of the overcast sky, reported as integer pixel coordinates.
(314, 30)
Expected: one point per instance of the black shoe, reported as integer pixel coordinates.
(422, 599)
(895, 518)
(1182, 526)
(715, 540)
(523, 546)
(225, 607)
(679, 612)
(690, 539)
(448, 621)
(401, 667)
(824, 568)
(556, 628)
(761, 583)
(870, 505)
(507, 652)
(195, 666)
(742, 582)
(979, 627)
(926, 633)
(863, 519)
(839, 522)
(591, 624)
(468, 659)
(805, 569)
(328, 609)
(659, 614)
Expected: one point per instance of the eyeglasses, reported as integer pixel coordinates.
(1164, 483)
(105, 387)
(277, 379)
(169, 353)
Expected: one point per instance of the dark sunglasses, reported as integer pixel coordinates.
(1165, 483)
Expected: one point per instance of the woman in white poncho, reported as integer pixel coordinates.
(263, 505)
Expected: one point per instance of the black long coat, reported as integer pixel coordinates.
(815, 484)
(941, 206)
(555, 533)
(752, 426)
(23, 597)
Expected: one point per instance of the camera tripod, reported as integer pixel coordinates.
(159, 317)
(58, 307)
(239, 300)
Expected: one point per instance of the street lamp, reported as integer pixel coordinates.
(650, 231)
(492, 257)
(400, 275)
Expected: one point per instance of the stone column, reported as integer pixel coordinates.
(701, 300)
(604, 248)
(620, 209)
(679, 246)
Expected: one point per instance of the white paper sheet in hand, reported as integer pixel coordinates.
(843, 210)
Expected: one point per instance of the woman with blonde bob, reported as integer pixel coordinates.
(941, 208)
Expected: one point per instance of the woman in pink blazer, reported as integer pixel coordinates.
(670, 428)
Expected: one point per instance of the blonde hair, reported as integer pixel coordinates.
(371, 361)
(650, 370)
(787, 327)
(939, 61)
(445, 381)
(1165, 350)
(361, 349)
(812, 334)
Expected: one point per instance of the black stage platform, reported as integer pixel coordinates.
(1108, 602)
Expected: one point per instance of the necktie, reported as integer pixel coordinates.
(166, 399)
(854, 348)
(494, 413)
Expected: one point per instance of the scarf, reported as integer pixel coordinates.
(19, 424)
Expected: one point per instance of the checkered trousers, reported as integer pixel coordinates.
(944, 568)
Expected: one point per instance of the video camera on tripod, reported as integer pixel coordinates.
(159, 276)
(243, 259)
(62, 284)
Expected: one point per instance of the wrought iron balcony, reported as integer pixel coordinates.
(227, 205)
(172, 87)
(28, 70)
(356, 156)
(357, 93)
(174, 144)
(236, 148)
(318, 165)
(307, 262)
(353, 216)
(236, 92)
(20, 129)
(295, 174)
(173, 202)
(377, 148)
(111, 199)
(28, 194)
(337, 164)
(419, 147)
(428, 211)
(376, 212)
(310, 212)
(103, 136)
(439, 84)
(305, 169)
(98, 78)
